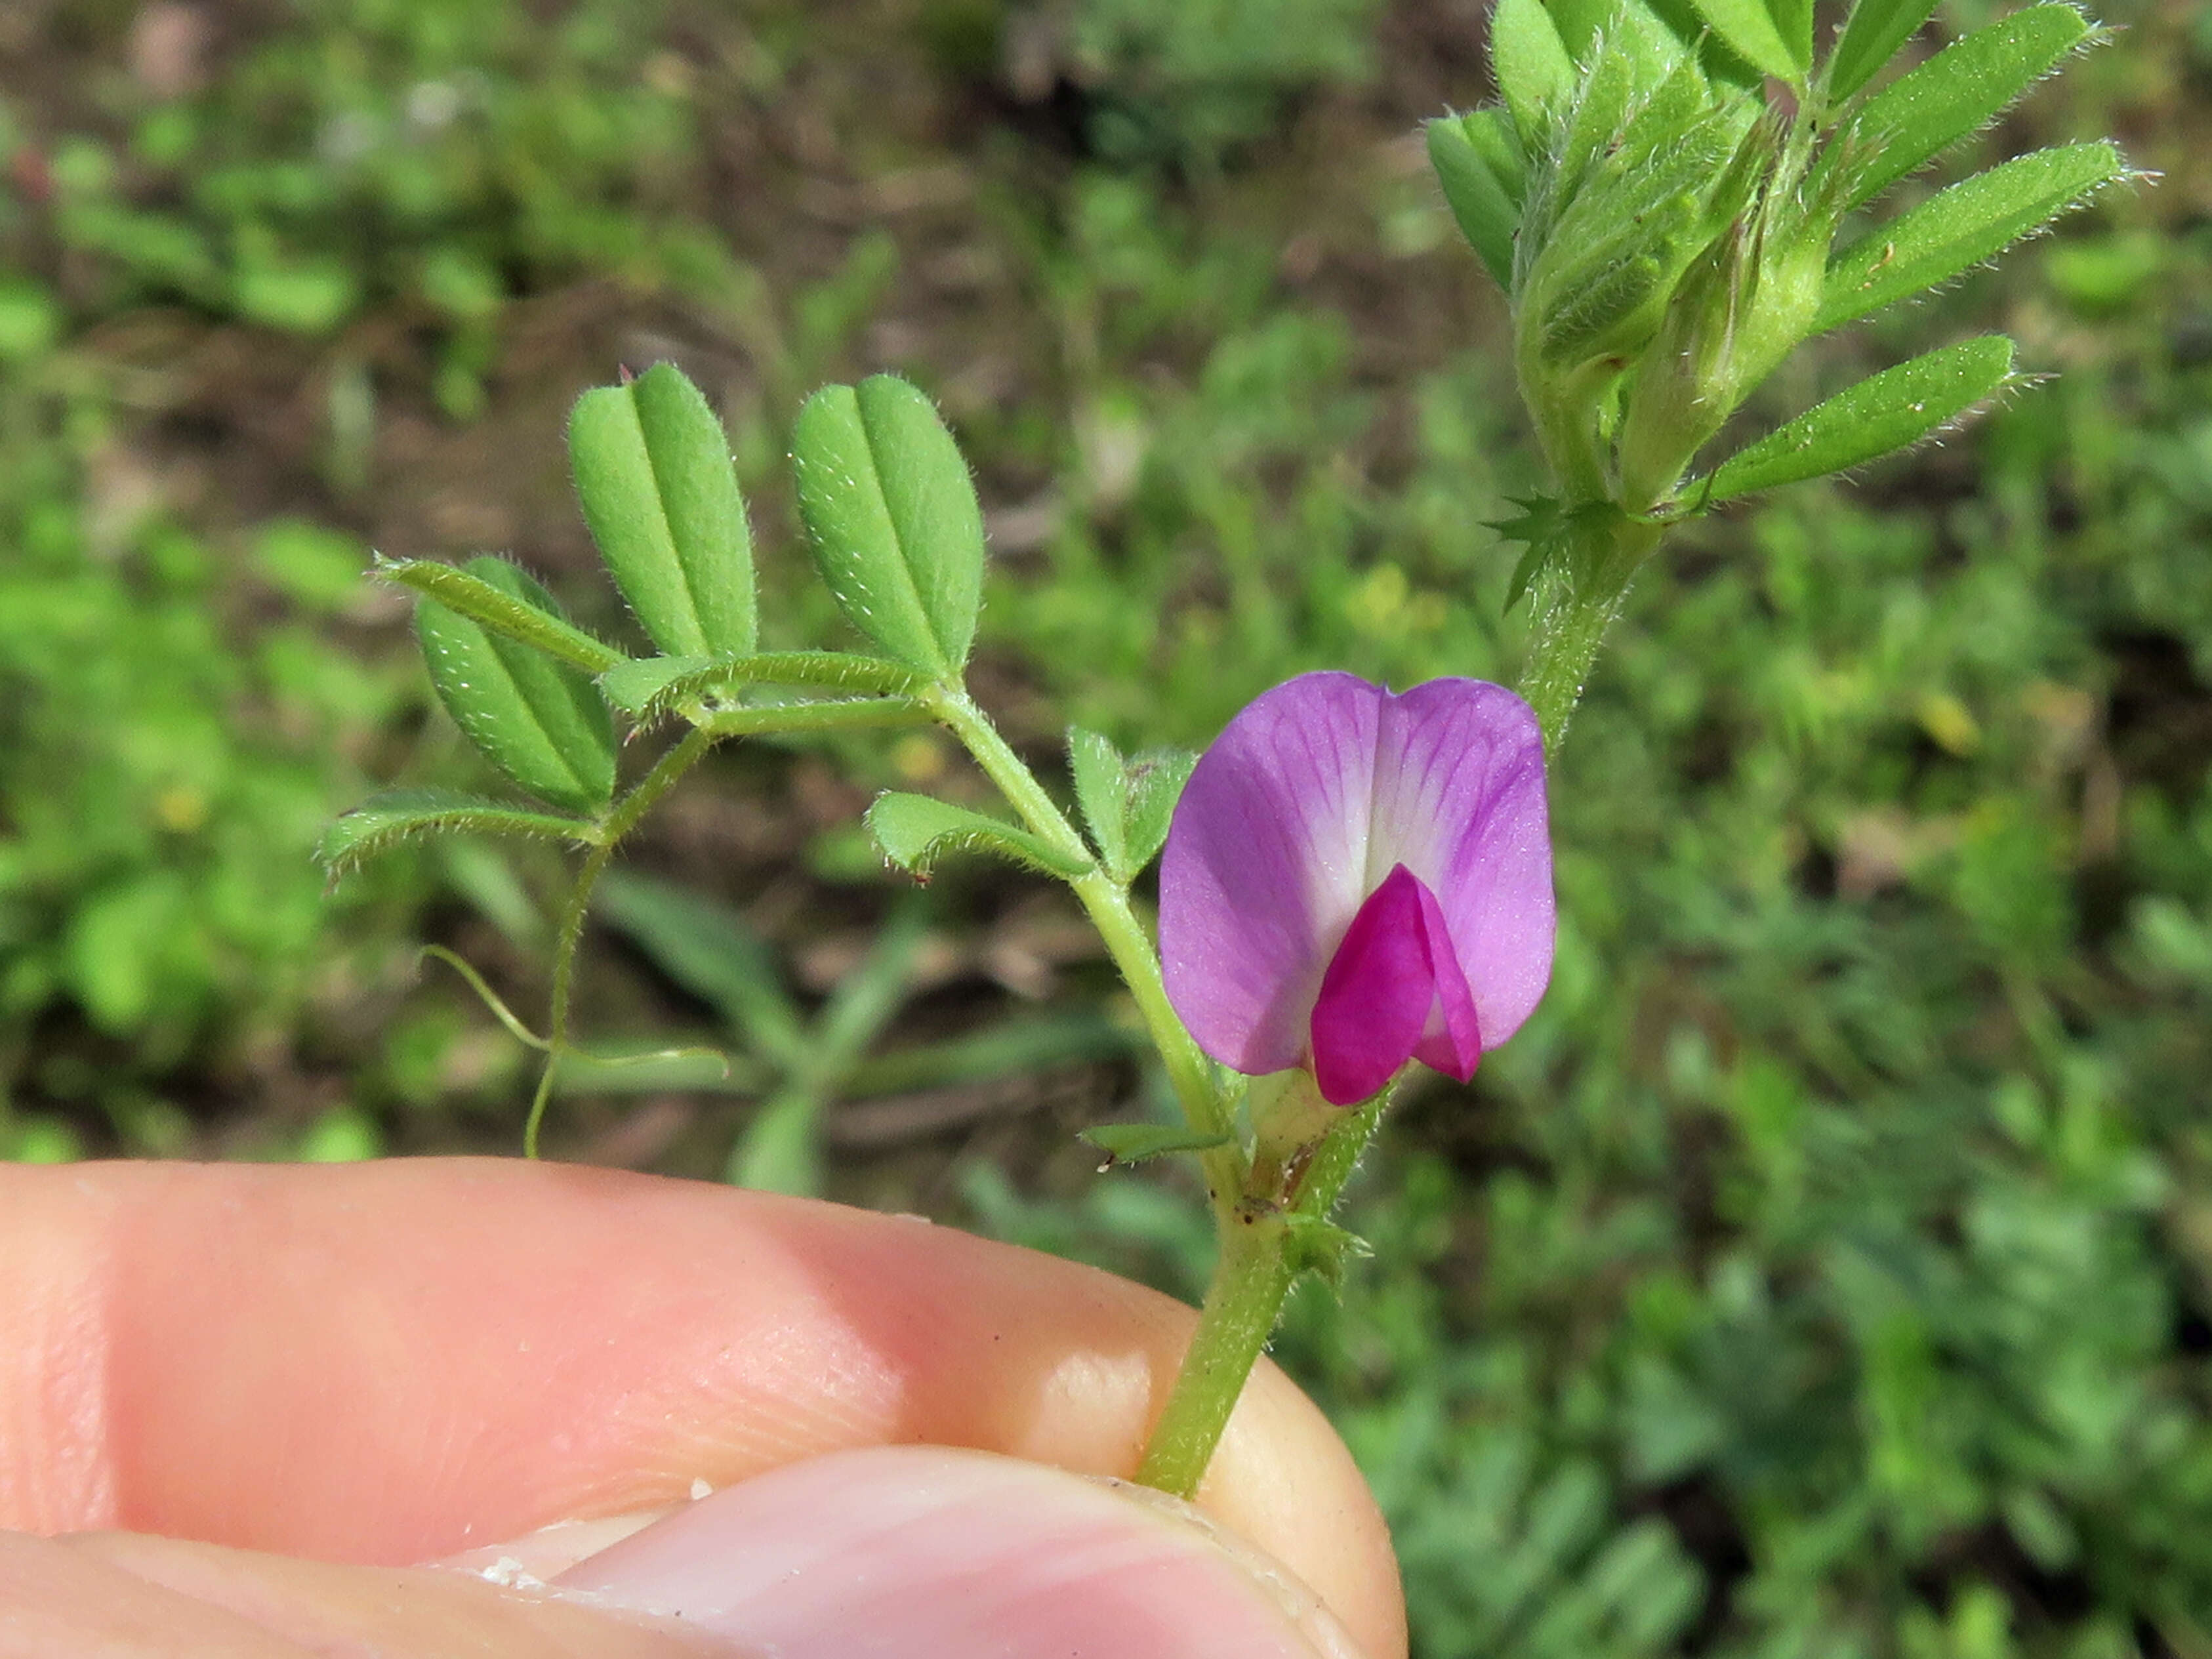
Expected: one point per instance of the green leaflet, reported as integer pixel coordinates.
(1750, 30)
(1885, 412)
(918, 831)
(1876, 29)
(1530, 62)
(1953, 95)
(1959, 228)
(1652, 49)
(501, 612)
(1578, 22)
(653, 477)
(385, 820)
(1127, 804)
(898, 534)
(539, 719)
(1478, 197)
(1793, 21)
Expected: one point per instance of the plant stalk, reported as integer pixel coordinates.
(1244, 1303)
(1577, 605)
(621, 819)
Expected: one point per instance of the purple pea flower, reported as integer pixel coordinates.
(1354, 878)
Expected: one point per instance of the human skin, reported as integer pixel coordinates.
(249, 1392)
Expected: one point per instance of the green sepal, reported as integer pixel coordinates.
(384, 820)
(1127, 804)
(897, 533)
(1959, 227)
(1132, 1143)
(917, 832)
(653, 476)
(1951, 96)
(1751, 32)
(1888, 411)
(1316, 1245)
(471, 596)
(1101, 786)
(1535, 74)
(1481, 202)
(1876, 31)
(539, 719)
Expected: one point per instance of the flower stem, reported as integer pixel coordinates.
(619, 821)
(1251, 1280)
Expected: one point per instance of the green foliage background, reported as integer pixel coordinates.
(1828, 1268)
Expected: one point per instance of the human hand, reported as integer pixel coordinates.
(235, 1401)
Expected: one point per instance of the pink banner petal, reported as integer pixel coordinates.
(1459, 799)
(1265, 866)
(1292, 825)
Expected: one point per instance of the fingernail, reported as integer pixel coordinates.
(917, 1551)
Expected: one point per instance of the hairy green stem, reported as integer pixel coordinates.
(1577, 606)
(837, 714)
(1244, 1303)
(1250, 1281)
(619, 820)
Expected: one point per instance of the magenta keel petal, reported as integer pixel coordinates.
(1451, 1043)
(1375, 996)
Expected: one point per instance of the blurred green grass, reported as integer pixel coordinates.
(1828, 1268)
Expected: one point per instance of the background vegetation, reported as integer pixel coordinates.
(1826, 1271)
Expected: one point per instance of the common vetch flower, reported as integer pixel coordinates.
(1354, 878)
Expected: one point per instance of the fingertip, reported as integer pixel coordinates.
(952, 1553)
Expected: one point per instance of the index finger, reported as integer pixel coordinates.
(385, 1363)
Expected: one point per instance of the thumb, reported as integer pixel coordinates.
(919, 1551)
